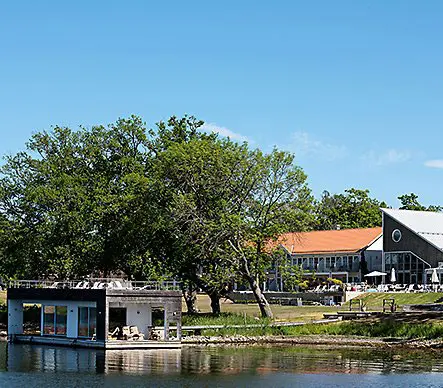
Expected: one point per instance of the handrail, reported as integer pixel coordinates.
(98, 283)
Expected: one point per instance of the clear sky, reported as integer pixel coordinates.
(353, 88)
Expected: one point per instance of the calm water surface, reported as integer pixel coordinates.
(41, 366)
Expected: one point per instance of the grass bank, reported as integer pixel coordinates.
(359, 329)
(404, 326)
(374, 300)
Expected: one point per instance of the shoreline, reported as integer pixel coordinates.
(332, 342)
(315, 341)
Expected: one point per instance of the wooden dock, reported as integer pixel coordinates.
(347, 315)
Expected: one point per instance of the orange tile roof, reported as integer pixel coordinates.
(328, 241)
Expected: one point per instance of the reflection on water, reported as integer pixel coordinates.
(238, 366)
(215, 360)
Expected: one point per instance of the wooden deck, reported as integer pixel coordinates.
(346, 315)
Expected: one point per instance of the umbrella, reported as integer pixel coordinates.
(374, 274)
(393, 278)
(434, 276)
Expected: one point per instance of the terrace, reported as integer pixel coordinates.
(98, 283)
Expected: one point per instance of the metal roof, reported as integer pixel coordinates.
(429, 225)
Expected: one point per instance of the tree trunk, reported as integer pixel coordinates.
(190, 297)
(215, 302)
(263, 304)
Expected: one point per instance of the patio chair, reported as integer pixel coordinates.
(116, 334)
(136, 335)
(126, 333)
(118, 285)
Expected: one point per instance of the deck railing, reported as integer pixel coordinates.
(98, 283)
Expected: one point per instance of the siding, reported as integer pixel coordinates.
(410, 241)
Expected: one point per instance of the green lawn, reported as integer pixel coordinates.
(281, 313)
(374, 300)
(2, 297)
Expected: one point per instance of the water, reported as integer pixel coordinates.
(41, 366)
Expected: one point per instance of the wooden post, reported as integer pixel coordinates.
(166, 328)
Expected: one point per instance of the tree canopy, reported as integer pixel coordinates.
(352, 209)
(171, 201)
(410, 202)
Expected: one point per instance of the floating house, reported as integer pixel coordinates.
(99, 313)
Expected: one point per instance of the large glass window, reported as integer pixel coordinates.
(54, 320)
(48, 320)
(61, 318)
(408, 267)
(83, 322)
(87, 321)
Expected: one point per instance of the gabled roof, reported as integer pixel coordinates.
(428, 225)
(328, 241)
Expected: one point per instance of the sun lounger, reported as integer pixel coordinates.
(131, 333)
(135, 333)
(117, 285)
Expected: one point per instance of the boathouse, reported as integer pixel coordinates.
(82, 313)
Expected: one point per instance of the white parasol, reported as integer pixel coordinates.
(393, 277)
(434, 276)
(374, 274)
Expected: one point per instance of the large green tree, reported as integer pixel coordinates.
(76, 202)
(199, 178)
(352, 209)
(277, 200)
(410, 202)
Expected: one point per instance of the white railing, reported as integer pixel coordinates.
(98, 283)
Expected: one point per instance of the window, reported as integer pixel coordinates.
(61, 318)
(396, 236)
(328, 262)
(54, 320)
(87, 321)
(48, 320)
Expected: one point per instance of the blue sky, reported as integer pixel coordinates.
(353, 88)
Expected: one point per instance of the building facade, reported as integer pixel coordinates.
(341, 254)
(412, 244)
